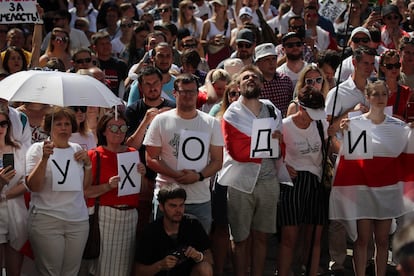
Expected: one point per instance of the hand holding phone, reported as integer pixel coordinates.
(8, 160)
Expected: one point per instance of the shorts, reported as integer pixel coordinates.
(307, 202)
(219, 204)
(255, 211)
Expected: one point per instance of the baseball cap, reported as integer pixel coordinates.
(245, 10)
(245, 35)
(289, 36)
(313, 102)
(264, 50)
(220, 2)
(360, 30)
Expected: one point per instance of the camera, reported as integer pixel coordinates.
(179, 254)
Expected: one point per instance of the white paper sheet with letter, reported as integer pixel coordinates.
(357, 142)
(193, 150)
(262, 144)
(130, 178)
(65, 171)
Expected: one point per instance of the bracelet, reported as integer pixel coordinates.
(201, 257)
(88, 167)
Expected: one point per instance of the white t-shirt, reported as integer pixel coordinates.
(303, 146)
(283, 69)
(164, 132)
(86, 142)
(68, 206)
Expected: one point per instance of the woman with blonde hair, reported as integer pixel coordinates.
(312, 76)
(58, 48)
(186, 19)
(216, 82)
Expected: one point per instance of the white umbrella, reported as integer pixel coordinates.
(57, 88)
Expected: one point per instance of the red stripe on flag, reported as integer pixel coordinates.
(237, 143)
(376, 172)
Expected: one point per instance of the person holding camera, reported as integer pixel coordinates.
(174, 244)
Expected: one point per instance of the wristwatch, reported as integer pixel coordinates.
(200, 176)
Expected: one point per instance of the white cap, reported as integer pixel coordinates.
(245, 10)
(264, 50)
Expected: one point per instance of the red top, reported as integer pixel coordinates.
(109, 168)
(405, 94)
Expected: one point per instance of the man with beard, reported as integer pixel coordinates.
(140, 115)
(245, 45)
(293, 46)
(162, 58)
(185, 146)
(174, 244)
(252, 198)
(278, 88)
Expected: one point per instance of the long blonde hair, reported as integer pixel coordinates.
(181, 18)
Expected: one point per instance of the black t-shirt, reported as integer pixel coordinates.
(135, 113)
(155, 244)
(115, 71)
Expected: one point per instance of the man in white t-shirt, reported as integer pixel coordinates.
(185, 146)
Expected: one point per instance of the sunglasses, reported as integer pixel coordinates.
(409, 40)
(129, 25)
(360, 39)
(4, 124)
(164, 10)
(233, 94)
(389, 66)
(79, 108)
(244, 45)
(83, 60)
(312, 15)
(390, 17)
(61, 39)
(191, 8)
(293, 44)
(296, 27)
(190, 45)
(310, 81)
(116, 128)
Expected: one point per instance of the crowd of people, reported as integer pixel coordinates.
(234, 108)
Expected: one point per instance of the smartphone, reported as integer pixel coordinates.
(8, 160)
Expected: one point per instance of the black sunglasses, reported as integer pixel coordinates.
(360, 39)
(83, 60)
(244, 45)
(129, 25)
(163, 10)
(293, 44)
(233, 94)
(79, 108)
(4, 123)
(389, 66)
(190, 45)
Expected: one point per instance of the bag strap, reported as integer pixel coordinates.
(271, 110)
(397, 100)
(320, 130)
(226, 25)
(97, 176)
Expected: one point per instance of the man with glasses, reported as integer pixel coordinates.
(185, 146)
(360, 36)
(81, 59)
(245, 45)
(293, 46)
(78, 38)
(277, 88)
(297, 25)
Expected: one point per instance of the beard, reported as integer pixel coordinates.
(294, 57)
(251, 92)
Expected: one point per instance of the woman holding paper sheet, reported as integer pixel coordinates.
(368, 193)
(306, 202)
(13, 212)
(58, 172)
(118, 216)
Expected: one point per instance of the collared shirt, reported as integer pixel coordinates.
(279, 91)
